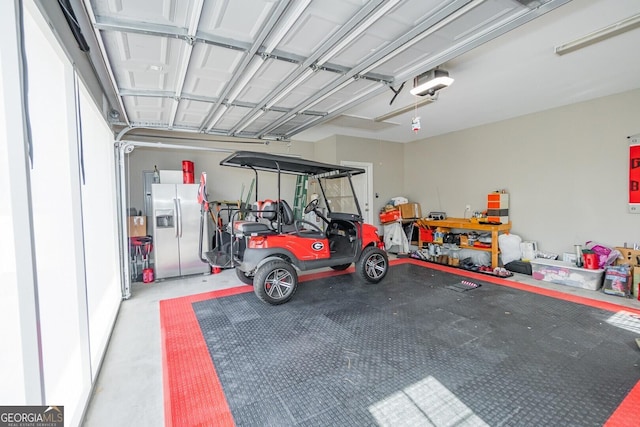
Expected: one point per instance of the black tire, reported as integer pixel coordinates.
(373, 264)
(341, 267)
(247, 280)
(275, 282)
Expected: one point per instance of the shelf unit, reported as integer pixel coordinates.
(466, 224)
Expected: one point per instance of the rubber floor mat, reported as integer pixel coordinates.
(408, 351)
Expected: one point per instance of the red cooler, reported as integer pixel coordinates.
(187, 172)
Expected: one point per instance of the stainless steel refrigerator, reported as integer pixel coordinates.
(176, 231)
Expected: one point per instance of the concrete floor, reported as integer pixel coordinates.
(129, 388)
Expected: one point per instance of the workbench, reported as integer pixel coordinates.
(448, 224)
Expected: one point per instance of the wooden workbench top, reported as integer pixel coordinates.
(464, 223)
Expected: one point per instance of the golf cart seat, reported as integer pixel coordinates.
(266, 213)
(286, 213)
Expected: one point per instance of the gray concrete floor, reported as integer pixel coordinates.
(129, 390)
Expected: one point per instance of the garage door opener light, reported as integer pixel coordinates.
(430, 82)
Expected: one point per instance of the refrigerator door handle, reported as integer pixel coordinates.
(179, 217)
(176, 224)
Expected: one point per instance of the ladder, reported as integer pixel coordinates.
(300, 198)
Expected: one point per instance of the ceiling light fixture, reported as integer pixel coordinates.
(430, 82)
(406, 109)
(602, 34)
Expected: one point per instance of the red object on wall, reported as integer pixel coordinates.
(187, 172)
(634, 174)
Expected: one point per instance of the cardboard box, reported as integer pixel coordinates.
(629, 257)
(564, 273)
(137, 226)
(410, 210)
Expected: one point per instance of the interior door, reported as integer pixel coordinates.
(363, 186)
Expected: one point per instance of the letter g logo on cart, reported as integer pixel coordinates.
(317, 246)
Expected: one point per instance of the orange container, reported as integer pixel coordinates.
(498, 201)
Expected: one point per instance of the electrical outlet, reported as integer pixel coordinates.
(467, 208)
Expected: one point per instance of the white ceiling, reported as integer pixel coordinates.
(280, 69)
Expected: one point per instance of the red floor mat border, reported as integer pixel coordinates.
(193, 394)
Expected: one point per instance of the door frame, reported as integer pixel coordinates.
(368, 167)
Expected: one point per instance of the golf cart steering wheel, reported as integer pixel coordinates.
(312, 206)
(314, 227)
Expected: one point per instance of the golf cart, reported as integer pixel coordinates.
(268, 245)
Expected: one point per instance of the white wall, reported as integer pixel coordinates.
(566, 171)
(223, 183)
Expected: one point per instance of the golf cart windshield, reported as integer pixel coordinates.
(339, 195)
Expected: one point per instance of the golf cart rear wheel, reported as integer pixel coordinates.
(373, 264)
(275, 282)
(340, 267)
(247, 280)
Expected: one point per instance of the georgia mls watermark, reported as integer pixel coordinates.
(31, 416)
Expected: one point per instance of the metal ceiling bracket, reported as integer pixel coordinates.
(396, 92)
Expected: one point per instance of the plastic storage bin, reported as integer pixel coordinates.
(565, 273)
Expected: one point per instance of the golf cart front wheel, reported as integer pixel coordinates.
(275, 282)
(247, 280)
(373, 264)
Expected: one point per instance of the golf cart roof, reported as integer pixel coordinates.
(287, 164)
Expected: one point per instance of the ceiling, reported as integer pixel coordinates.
(309, 69)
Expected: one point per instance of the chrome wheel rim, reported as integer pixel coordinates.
(375, 266)
(278, 284)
